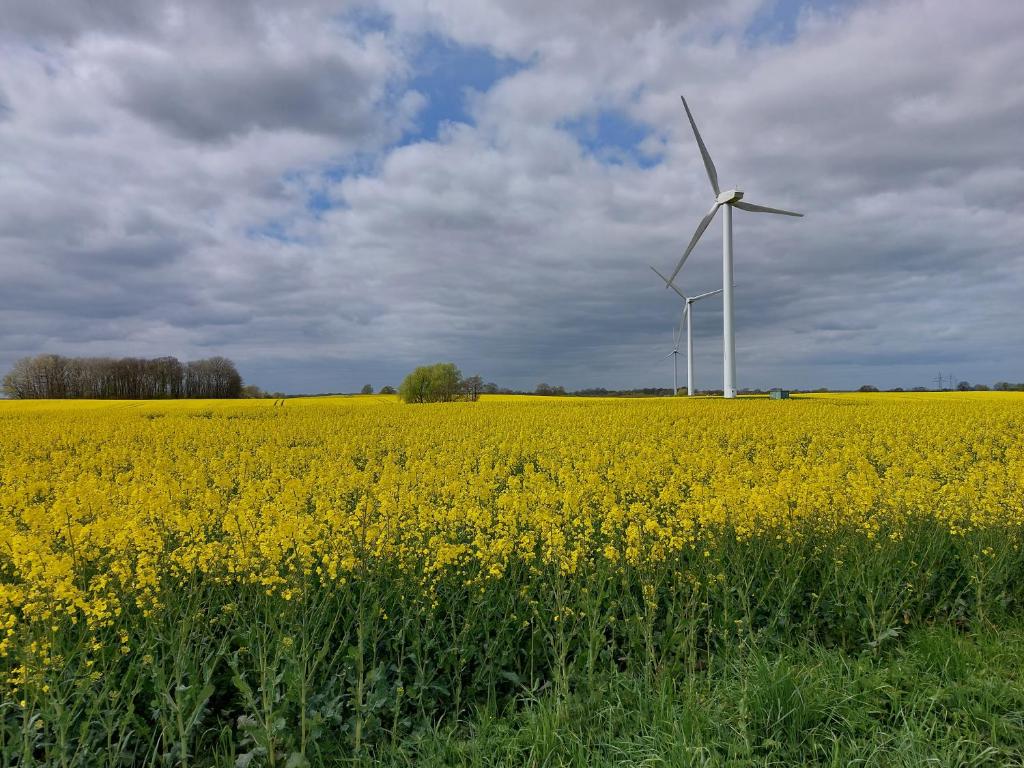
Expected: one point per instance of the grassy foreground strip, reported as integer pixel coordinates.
(943, 698)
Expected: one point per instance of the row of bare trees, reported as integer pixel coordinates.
(127, 378)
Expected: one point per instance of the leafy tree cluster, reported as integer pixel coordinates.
(126, 378)
(441, 383)
(548, 389)
(252, 391)
(438, 383)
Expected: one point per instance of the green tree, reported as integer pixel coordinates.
(438, 383)
(547, 389)
(367, 389)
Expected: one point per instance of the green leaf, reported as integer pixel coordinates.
(512, 677)
(891, 632)
(197, 710)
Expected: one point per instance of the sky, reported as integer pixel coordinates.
(331, 193)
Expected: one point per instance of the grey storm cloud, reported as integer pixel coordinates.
(160, 160)
(317, 95)
(52, 19)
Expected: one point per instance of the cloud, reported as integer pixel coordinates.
(286, 73)
(271, 183)
(62, 22)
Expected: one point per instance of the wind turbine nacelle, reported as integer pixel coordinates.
(729, 196)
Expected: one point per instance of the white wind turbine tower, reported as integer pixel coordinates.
(731, 198)
(687, 314)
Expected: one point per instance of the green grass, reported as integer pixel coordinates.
(943, 698)
(936, 696)
(845, 652)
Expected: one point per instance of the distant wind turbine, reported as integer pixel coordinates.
(677, 331)
(731, 198)
(687, 312)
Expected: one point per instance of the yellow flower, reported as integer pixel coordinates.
(121, 512)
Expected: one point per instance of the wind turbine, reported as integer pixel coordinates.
(687, 313)
(729, 199)
(674, 354)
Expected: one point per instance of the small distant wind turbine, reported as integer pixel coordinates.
(687, 312)
(674, 354)
(731, 198)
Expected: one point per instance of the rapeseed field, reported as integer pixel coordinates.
(297, 581)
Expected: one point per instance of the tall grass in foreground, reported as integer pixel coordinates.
(236, 676)
(941, 698)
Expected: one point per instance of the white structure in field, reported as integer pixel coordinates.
(729, 199)
(687, 313)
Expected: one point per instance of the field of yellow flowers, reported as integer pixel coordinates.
(273, 581)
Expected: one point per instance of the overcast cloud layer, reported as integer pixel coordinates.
(331, 193)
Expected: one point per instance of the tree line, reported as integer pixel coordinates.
(963, 386)
(126, 378)
(444, 382)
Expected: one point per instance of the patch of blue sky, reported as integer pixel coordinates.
(271, 230)
(318, 201)
(446, 73)
(314, 188)
(776, 21)
(366, 20)
(443, 71)
(612, 137)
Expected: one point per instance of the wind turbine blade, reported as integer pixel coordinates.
(668, 284)
(669, 354)
(696, 236)
(710, 166)
(677, 332)
(744, 205)
(705, 295)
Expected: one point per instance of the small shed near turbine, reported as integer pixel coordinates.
(778, 394)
